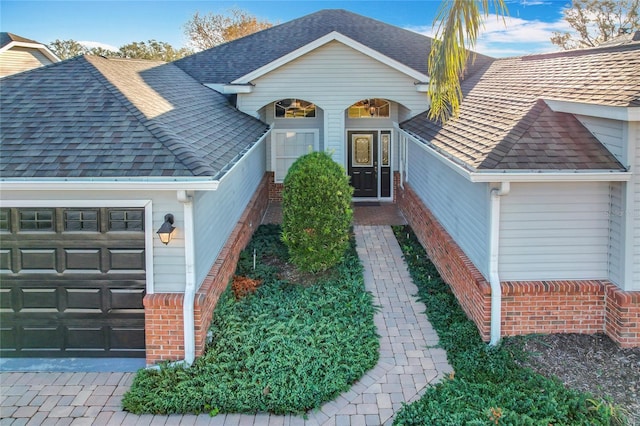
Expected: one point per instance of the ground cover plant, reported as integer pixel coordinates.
(282, 347)
(489, 386)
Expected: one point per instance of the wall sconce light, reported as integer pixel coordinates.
(167, 230)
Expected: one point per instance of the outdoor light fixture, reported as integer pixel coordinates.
(167, 230)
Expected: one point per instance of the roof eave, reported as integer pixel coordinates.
(519, 175)
(109, 184)
(622, 113)
(522, 175)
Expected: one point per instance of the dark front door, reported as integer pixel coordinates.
(363, 163)
(72, 282)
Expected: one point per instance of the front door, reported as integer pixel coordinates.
(363, 163)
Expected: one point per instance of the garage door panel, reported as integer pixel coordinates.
(82, 260)
(127, 338)
(86, 338)
(73, 282)
(83, 300)
(123, 298)
(126, 260)
(33, 300)
(37, 260)
(8, 342)
(5, 261)
(6, 302)
(40, 338)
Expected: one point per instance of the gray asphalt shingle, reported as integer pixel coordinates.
(505, 124)
(97, 117)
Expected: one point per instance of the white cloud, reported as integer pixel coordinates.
(92, 44)
(512, 36)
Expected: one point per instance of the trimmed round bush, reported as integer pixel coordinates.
(316, 212)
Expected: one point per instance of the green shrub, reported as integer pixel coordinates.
(489, 386)
(316, 212)
(286, 348)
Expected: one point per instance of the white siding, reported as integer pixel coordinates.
(609, 133)
(634, 130)
(168, 261)
(616, 233)
(216, 213)
(554, 231)
(20, 59)
(334, 77)
(460, 206)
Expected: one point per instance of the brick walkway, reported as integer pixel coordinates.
(408, 363)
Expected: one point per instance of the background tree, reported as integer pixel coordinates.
(152, 49)
(101, 51)
(207, 31)
(458, 27)
(597, 21)
(65, 49)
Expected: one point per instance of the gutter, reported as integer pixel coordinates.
(494, 248)
(109, 184)
(190, 283)
(517, 175)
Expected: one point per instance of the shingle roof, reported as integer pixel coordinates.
(229, 61)
(97, 117)
(6, 38)
(505, 124)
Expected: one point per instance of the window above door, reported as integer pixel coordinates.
(294, 108)
(370, 108)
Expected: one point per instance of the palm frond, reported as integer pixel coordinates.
(459, 24)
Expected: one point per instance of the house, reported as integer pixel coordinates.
(526, 201)
(19, 54)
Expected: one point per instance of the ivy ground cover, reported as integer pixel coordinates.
(296, 342)
(489, 386)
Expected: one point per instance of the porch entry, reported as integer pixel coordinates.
(369, 163)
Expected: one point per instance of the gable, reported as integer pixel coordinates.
(331, 38)
(334, 75)
(231, 61)
(20, 59)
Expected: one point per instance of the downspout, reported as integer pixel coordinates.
(494, 246)
(190, 283)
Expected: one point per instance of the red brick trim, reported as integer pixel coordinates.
(275, 189)
(164, 323)
(552, 307)
(623, 316)
(562, 306)
(467, 283)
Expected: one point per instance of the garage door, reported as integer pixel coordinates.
(72, 282)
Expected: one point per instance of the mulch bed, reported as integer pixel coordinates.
(590, 363)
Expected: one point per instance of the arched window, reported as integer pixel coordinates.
(294, 108)
(370, 108)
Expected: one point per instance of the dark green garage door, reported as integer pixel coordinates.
(72, 282)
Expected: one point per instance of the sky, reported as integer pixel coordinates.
(113, 23)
